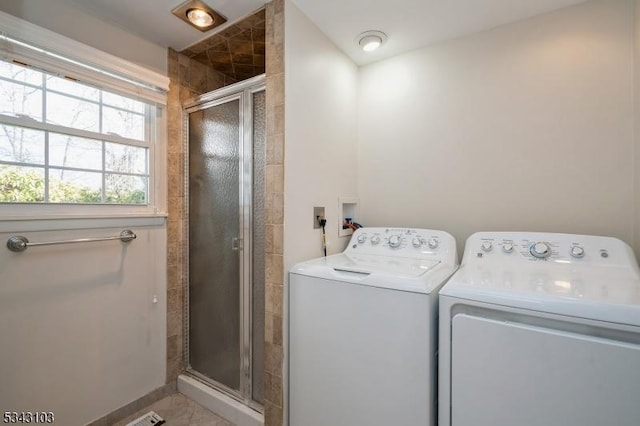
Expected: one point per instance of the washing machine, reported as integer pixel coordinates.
(541, 329)
(363, 330)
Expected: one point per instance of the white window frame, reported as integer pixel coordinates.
(28, 43)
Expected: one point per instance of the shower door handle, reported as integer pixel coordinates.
(236, 244)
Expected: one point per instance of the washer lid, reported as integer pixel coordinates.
(405, 274)
(372, 264)
(599, 293)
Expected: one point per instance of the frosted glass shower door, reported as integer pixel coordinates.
(226, 256)
(215, 144)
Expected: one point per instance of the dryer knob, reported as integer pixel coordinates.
(540, 250)
(416, 242)
(375, 240)
(394, 241)
(507, 247)
(433, 243)
(486, 246)
(362, 238)
(577, 251)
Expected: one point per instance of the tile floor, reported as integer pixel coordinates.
(178, 410)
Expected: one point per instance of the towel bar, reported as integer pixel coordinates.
(18, 243)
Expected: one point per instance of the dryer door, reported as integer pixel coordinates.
(506, 373)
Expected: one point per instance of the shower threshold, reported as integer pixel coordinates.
(220, 403)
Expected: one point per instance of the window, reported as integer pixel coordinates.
(66, 141)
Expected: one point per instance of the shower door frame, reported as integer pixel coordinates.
(243, 92)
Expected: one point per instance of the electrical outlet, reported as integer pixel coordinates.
(318, 213)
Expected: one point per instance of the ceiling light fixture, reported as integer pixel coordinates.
(199, 15)
(371, 40)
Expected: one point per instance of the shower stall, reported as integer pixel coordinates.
(225, 188)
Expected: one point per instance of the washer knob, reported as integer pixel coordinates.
(486, 246)
(577, 251)
(362, 238)
(507, 247)
(416, 242)
(375, 240)
(394, 241)
(540, 250)
(433, 243)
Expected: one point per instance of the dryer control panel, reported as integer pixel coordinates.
(547, 247)
(402, 242)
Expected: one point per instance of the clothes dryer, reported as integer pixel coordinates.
(541, 329)
(362, 330)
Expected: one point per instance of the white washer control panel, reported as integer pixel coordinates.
(402, 242)
(545, 247)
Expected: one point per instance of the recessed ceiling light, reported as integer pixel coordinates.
(370, 43)
(199, 15)
(371, 40)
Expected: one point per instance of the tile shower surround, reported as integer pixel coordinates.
(274, 211)
(190, 78)
(237, 51)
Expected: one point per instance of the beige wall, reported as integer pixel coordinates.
(320, 156)
(529, 126)
(82, 325)
(636, 245)
(320, 152)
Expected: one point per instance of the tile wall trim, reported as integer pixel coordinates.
(274, 215)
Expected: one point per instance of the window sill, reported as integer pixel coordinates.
(79, 221)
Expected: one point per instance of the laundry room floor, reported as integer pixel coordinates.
(178, 410)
